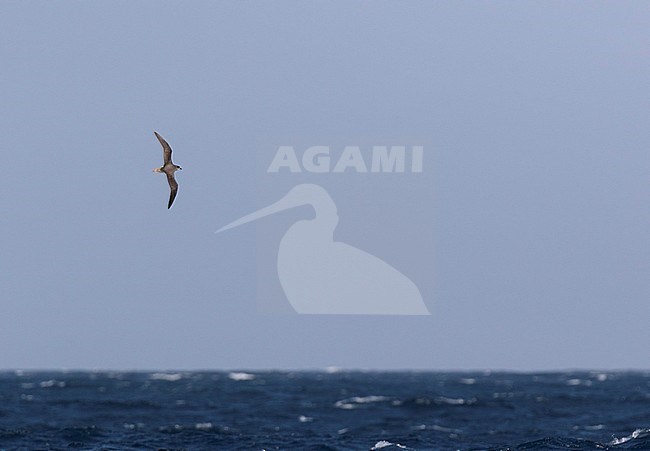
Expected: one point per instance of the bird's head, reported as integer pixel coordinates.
(178, 167)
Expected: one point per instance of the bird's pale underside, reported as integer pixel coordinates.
(168, 168)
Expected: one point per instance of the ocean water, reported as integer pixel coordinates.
(328, 410)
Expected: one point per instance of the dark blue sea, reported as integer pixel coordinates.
(328, 410)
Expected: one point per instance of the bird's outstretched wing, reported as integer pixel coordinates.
(174, 189)
(167, 150)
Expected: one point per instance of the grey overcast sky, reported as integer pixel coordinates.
(527, 231)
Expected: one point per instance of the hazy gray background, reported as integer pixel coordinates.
(527, 231)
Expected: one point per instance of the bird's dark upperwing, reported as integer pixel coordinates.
(167, 150)
(174, 189)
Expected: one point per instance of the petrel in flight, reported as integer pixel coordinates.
(168, 168)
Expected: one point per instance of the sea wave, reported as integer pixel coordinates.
(357, 401)
(169, 377)
(384, 444)
(299, 410)
(241, 376)
(637, 434)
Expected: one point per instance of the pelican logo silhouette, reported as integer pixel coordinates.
(323, 276)
(168, 168)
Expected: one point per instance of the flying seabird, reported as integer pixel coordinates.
(168, 168)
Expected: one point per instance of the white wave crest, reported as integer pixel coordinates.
(639, 433)
(385, 444)
(241, 376)
(170, 377)
(355, 401)
(455, 401)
